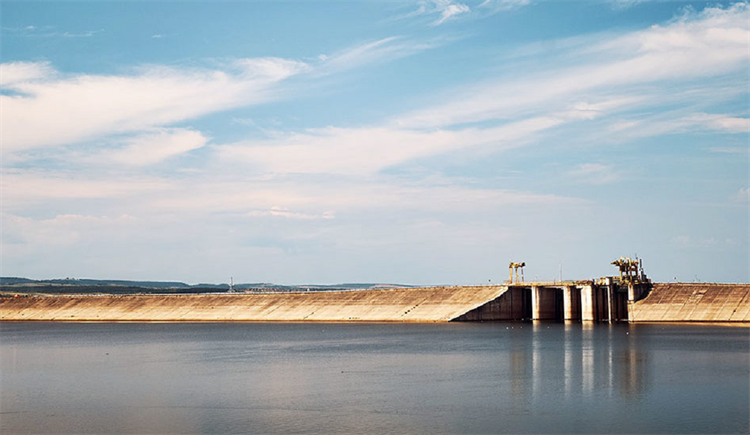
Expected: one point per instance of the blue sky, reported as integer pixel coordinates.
(417, 142)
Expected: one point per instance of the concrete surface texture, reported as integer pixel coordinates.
(681, 302)
(433, 304)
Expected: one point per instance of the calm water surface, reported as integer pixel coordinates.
(373, 378)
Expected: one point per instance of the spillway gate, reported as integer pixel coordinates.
(606, 300)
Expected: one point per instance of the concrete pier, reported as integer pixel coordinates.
(571, 303)
(586, 301)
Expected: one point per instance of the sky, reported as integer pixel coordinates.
(415, 142)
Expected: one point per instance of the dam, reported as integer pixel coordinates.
(588, 301)
(629, 297)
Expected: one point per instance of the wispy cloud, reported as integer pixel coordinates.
(65, 230)
(45, 107)
(725, 123)
(693, 242)
(624, 4)
(86, 34)
(443, 11)
(370, 150)
(731, 150)
(381, 50)
(150, 148)
(234, 193)
(50, 109)
(698, 45)
(743, 195)
(503, 5)
(22, 187)
(282, 212)
(594, 173)
(674, 122)
(448, 10)
(32, 31)
(439, 11)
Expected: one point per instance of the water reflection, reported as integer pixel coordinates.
(581, 360)
(469, 378)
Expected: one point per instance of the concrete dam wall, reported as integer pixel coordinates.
(433, 304)
(682, 302)
(585, 301)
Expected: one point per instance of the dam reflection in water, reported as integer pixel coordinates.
(579, 363)
(373, 378)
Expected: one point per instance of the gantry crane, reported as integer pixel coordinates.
(630, 270)
(514, 267)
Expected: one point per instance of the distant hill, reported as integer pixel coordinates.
(14, 280)
(84, 285)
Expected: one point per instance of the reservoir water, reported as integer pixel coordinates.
(373, 378)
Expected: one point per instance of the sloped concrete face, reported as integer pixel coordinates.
(680, 302)
(433, 304)
(511, 304)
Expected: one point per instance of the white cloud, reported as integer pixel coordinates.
(86, 34)
(22, 188)
(150, 148)
(32, 31)
(49, 108)
(277, 211)
(734, 125)
(320, 198)
(594, 173)
(671, 122)
(503, 5)
(63, 229)
(728, 124)
(624, 4)
(216, 191)
(743, 195)
(384, 49)
(12, 73)
(730, 150)
(57, 111)
(445, 10)
(701, 45)
(448, 10)
(269, 69)
(686, 241)
(363, 151)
